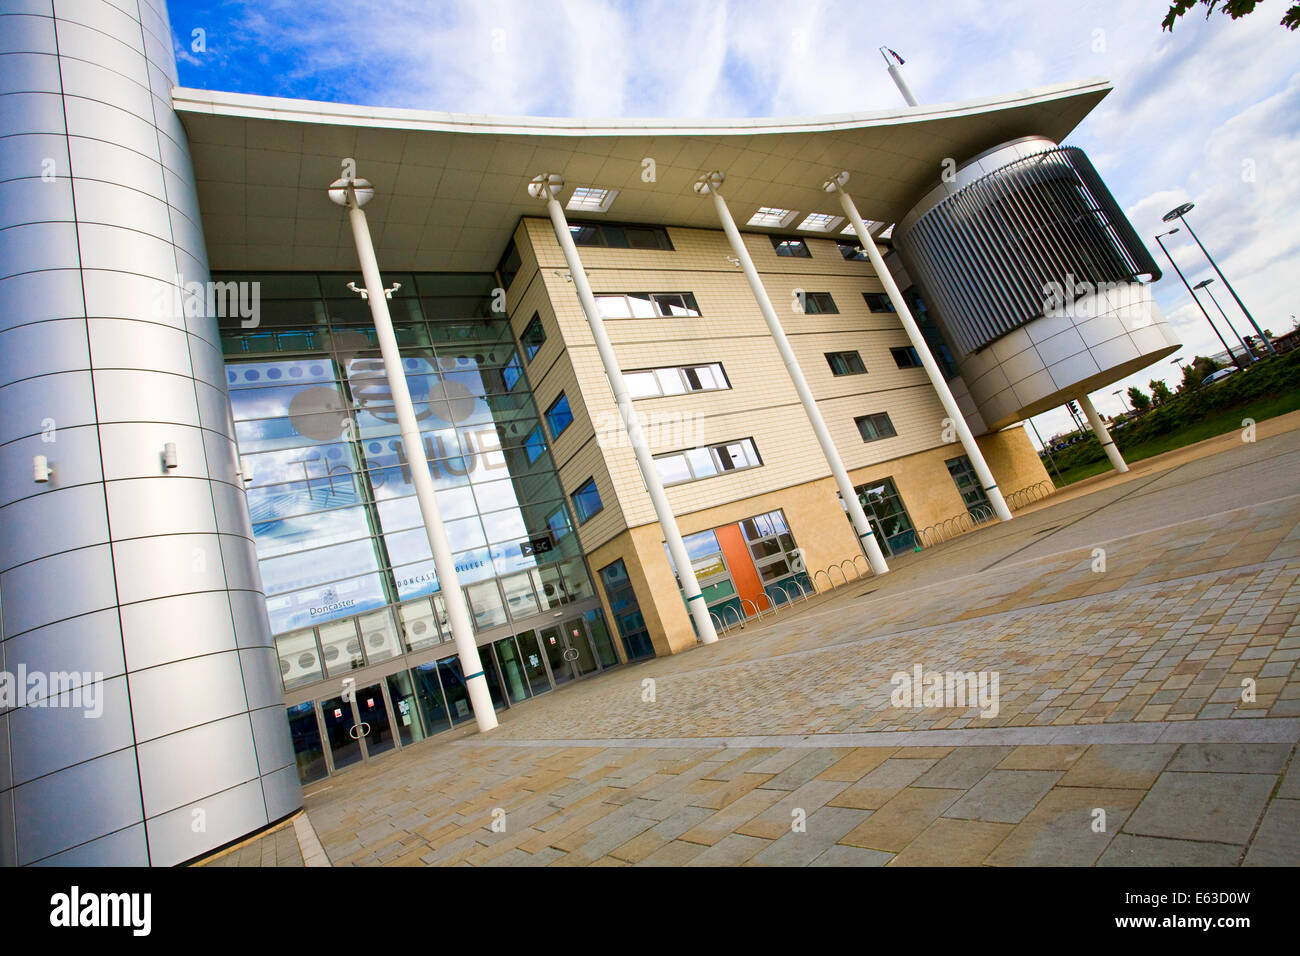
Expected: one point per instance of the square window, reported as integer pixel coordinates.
(559, 416)
(673, 469)
(852, 251)
(586, 501)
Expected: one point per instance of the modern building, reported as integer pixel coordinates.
(206, 506)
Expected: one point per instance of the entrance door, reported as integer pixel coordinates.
(578, 650)
(555, 648)
(358, 729)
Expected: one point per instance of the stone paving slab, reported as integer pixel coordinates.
(1162, 692)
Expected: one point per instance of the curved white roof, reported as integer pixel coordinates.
(451, 187)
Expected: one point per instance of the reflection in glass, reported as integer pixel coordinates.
(600, 637)
(532, 661)
(405, 712)
(376, 730)
(307, 747)
(428, 693)
(512, 669)
(299, 658)
(341, 647)
(379, 636)
(485, 603)
(419, 625)
(345, 749)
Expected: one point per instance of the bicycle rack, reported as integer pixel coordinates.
(739, 619)
(757, 613)
(852, 567)
(830, 585)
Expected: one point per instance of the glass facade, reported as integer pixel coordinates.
(340, 540)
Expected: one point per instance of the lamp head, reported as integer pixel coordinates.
(1179, 212)
(836, 182)
(546, 186)
(709, 182)
(361, 190)
(1202, 284)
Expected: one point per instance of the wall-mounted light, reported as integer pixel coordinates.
(40, 469)
(170, 458)
(245, 471)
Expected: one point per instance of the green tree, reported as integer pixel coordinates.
(1138, 399)
(1159, 391)
(1233, 8)
(1196, 372)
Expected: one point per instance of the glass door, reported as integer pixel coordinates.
(578, 650)
(534, 666)
(376, 728)
(359, 728)
(554, 647)
(342, 732)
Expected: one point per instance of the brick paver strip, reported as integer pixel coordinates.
(1127, 691)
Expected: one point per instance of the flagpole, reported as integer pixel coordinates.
(896, 76)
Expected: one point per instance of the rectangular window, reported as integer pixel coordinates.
(845, 363)
(612, 236)
(818, 303)
(586, 501)
(875, 427)
(851, 250)
(627, 611)
(878, 302)
(906, 357)
(533, 336)
(645, 305)
(881, 500)
(693, 464)
(791, 248)
(968, 483)
(509, 266)
(558, 416)
(651, 383)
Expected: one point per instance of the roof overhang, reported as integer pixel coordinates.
(450, 188)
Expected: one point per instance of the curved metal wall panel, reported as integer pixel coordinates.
(119, 564)
(1033, 270)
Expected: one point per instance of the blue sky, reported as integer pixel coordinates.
(1208, 114)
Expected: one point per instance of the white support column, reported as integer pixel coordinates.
(1103, 434)
(708, 185)
(547, 186)
(914, 335)
(354, 194)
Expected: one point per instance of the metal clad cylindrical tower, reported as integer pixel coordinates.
(135, 558)
(1036, 276)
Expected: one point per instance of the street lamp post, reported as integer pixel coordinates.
(1180, 213)
(1123, 404)
(1199, 305)
(352, 194)
(1205, 284)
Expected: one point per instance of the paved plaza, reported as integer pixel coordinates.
(1143, 631)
